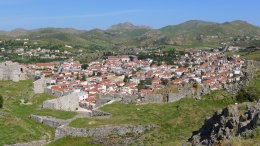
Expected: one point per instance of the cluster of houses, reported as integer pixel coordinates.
(26, 51)
(123, 74)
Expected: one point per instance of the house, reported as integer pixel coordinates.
(44, 66)
(180, 71)
(82, 96)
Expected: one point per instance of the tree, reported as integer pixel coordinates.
(99, 74)
(1, 101)
(83, 77)
(77, 78)
(164, 82)
(126, 78)
(84, 66)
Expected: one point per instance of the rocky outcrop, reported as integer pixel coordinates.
(226, 123)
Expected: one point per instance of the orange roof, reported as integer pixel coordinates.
(181, 69)
(44, 64)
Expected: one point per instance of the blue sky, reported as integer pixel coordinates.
(90, 14)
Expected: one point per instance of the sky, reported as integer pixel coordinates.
(90, 14)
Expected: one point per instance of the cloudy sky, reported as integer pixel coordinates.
(90, 14)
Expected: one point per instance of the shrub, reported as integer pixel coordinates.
(1, 101)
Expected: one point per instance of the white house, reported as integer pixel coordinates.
(82, 96)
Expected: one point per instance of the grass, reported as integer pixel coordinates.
(252, 56)
(236, 53)
(175, 124)
(15, 124)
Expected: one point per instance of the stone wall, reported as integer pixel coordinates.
(129, 99)
(50, 104)
(153, 98)
(68, 103)
(39, 85)
(186, 91)
(87, 105)
(96, 113)
(103, 99)
(36, 118)
(64, 131)
(48, 91)
(172, 97)
(48, 121)
(12, 71)
(52, 122)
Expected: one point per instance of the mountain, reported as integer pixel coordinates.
(128, 25)
(18, 32)
(196, 27)
(189, 33)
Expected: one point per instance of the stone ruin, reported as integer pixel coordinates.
(39, 85)
(152, 98)
(103, 99)
(13, 71)
(226, 123)
(68, 103)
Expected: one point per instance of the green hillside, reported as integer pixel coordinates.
(193, 32)
(15, 124)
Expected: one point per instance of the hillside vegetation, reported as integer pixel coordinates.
(191, 33)
(15, 124)
(176, 121)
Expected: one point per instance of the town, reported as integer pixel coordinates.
(127, 75)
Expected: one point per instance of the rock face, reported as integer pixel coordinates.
(226, 123)
(127, 25)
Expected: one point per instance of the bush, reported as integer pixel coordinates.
(244, 96)
(1, 101)
(255, 132)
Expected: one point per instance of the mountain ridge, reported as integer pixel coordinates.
(128, 25)
(186, 33)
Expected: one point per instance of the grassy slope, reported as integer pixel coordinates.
(175, 126)
(15, 124)
(252, 56)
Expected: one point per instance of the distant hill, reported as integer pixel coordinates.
(128, 25)
(190, 33)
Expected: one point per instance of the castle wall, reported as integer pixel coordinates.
(12, 71)
(39, 85)
(153, 98)
(68, 103)
(172, 97)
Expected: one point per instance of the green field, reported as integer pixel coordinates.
(242, 54)
(15, 124)
(252, 56)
